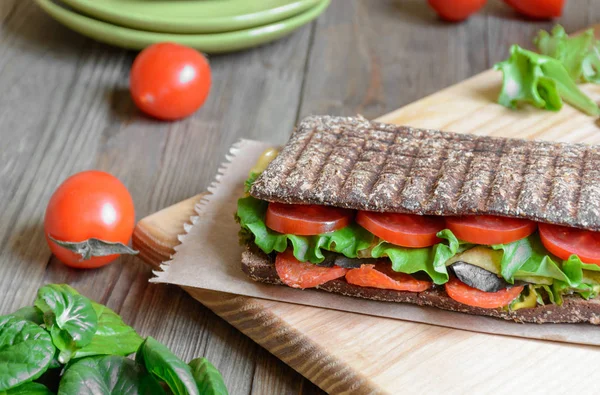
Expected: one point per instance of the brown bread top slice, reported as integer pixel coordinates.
(259, 267)
(358, 164)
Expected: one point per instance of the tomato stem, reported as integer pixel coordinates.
(95, 247)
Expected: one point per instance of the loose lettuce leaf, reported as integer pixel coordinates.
(347, 241)
(540, 80)
(579, 54)
(591, 65)
(429, 260)
(570, 51)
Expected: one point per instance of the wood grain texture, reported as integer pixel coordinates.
(64, 107)
(350, 353)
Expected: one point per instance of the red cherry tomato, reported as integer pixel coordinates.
(298, 274)
(169, 81)
(456, 10)
(489, 229)
(538, 9)
(563, 242)
(90, 204)
(470, 296)
(405, 230)
(383, 276)
(306, 220)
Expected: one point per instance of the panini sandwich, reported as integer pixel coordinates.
(490, 226)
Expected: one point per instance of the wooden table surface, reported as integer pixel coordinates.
(64, 107)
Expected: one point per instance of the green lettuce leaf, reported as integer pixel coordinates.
(578, 54)
(540, 80)
(591, 65)
(584, 278)
(429, 260)
(248, 183)
(528, 257)
(574, 269)
(570, 51)
(347, 241)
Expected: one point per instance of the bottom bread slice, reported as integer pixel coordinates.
(260, 267)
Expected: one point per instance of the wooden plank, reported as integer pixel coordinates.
(373, 57)
(65, 107)
(344, 352)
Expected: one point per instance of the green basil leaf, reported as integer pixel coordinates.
(30, 313)
(167, 367)
(109, 374)
(54, 364)
(113, 336)
(207, 377)
(28, 389)
(69, 317)
(26, 350)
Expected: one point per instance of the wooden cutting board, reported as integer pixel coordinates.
(351, 353)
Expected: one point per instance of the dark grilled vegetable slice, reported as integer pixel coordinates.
(333, 259)
(479, 278)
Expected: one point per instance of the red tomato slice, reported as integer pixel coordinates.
(539, 9)
(406, 230)
(470, 296)
(298, 274)
(306, 220)
(489, 229)
(383, 276)
(563, 242)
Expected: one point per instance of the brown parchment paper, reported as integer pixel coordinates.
(209, 258)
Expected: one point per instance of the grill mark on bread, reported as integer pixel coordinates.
(509, 181)
(581, 174)
(494, 175)
(563, 196)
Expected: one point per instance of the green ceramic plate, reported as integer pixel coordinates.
(209, 43)
(191, 16)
